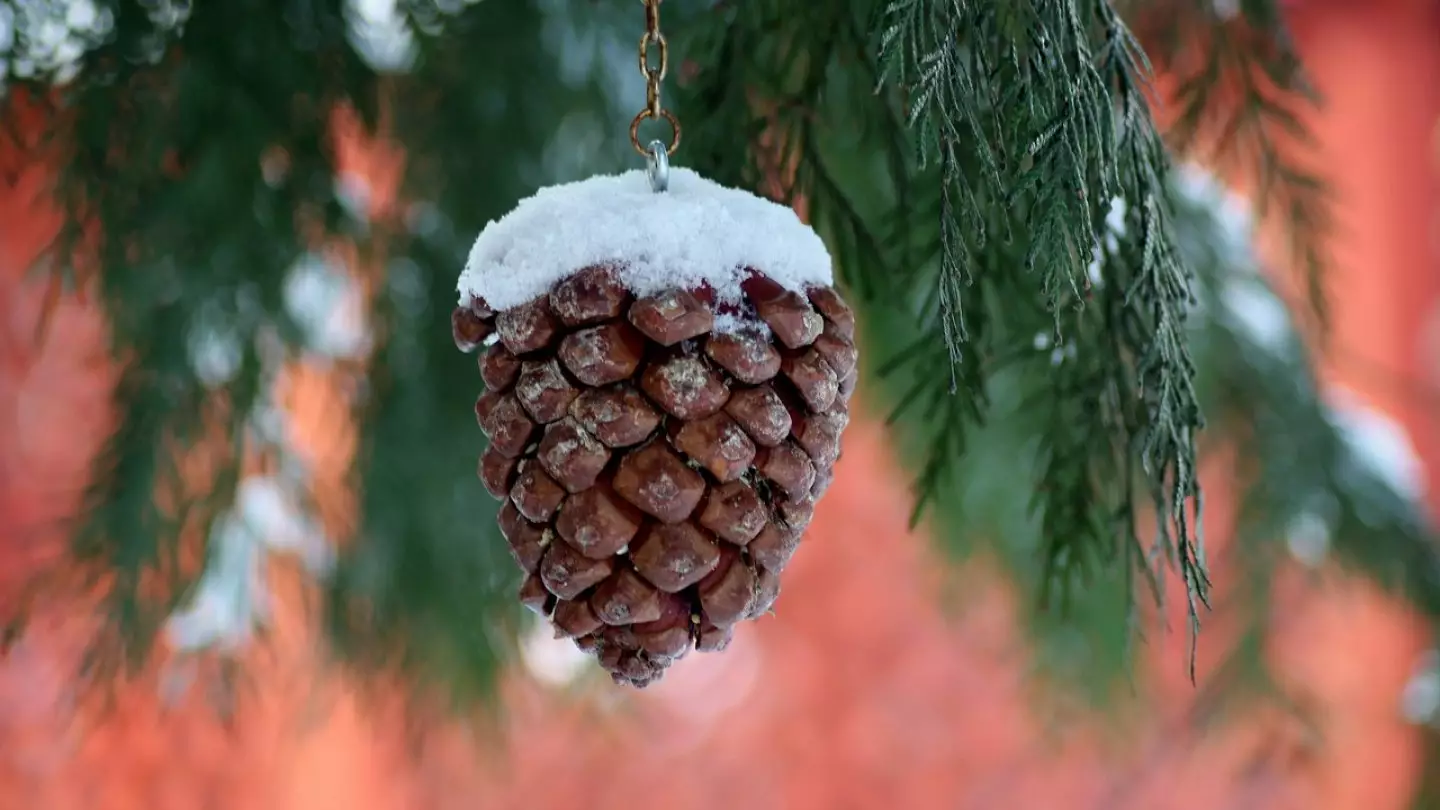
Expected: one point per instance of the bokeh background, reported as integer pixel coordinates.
(897, 680)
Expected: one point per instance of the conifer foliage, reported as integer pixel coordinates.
(1037, 291)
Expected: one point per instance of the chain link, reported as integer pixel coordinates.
(654, 41)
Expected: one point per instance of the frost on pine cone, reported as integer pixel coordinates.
(659, 455)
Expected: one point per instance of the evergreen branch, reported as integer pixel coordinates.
(195, 185)
(426, 589)
(1039, 109)
(1310, 475)
(1242, 99)
(1307, 484)
(157, 153)
(1013, 115)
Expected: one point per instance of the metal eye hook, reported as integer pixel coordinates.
(657, 166)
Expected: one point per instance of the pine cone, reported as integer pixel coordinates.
(658, 475)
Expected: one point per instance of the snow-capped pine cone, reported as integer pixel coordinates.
(658, 474)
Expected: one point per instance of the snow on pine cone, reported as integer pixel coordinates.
(658, 471)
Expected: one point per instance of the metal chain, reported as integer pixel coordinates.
(654, 74)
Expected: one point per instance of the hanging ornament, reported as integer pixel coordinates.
(667, 374)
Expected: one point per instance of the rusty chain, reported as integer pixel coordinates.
(654, 74)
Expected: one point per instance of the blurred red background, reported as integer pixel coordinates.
(874, 695)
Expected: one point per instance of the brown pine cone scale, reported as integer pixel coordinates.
(657, 474)
(498, 367)
(675, 556)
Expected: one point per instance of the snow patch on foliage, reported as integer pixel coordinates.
(1308, 538)
(1246, 300)
(1237, 219)
(47, 40)
(1108, 244)
(1259, 312)
(1420, 702)
(698, 232)
(232, 598)
(380, 33)
(325, 302)
(270, 514)
(1380, 443)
